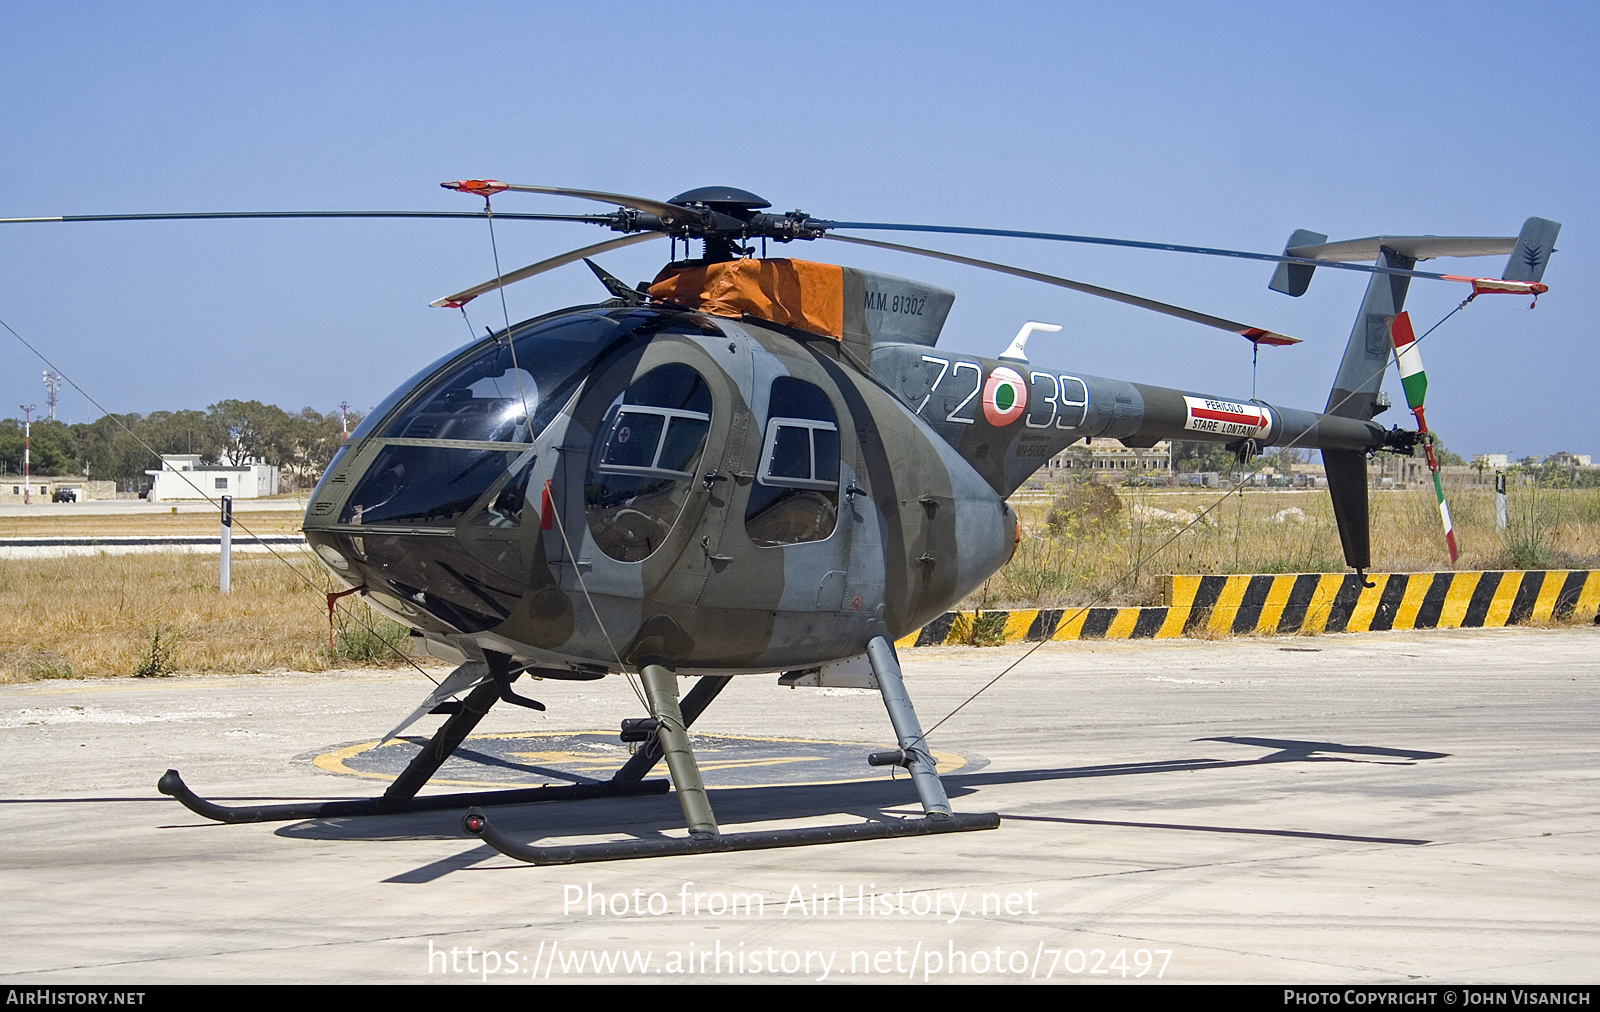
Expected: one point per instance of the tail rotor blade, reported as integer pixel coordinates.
(1444, 516)
(1412, 376)
(1415, 381)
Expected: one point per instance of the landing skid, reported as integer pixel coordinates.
(665, 736)
(401, 797)
(172, 785)
(476, 823)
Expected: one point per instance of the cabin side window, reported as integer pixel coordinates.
(644, 461)
(795, 497)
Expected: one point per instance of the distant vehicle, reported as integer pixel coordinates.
(64, 495)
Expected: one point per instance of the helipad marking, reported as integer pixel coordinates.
(590, 755)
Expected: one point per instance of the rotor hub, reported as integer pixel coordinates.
(729, 200)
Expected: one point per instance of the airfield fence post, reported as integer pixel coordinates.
(225, 570)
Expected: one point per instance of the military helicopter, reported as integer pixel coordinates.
(755, 465)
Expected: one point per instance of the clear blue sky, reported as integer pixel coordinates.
(1218, 124)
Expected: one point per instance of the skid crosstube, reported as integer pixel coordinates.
(476, 823)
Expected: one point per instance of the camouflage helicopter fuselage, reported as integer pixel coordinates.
(615, 483)
(757, 465)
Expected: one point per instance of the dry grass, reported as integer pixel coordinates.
(157, 614)
(1125, 558)
(60, 523)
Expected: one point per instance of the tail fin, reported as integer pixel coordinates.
(1356, 388)
(1347, 486)
(1532, 252)
(1294, 279)
(1357, 393)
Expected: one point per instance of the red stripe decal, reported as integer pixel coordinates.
(1400, 331)
(1227, 416)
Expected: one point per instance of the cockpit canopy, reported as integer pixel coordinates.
(433, 465)
(503, 391)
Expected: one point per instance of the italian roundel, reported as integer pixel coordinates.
(1005, 397)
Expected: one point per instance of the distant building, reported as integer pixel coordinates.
(187, 476)
(1103, 455)
(43, 488)
(1496, 461)
(1565, 459)
(37, 488)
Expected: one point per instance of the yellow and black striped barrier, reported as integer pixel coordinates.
(1289, 604)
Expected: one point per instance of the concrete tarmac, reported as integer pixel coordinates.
(1344, 809)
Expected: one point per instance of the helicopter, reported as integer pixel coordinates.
(753, 465)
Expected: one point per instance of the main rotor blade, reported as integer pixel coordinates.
(589, 219)
(1255, 335)
(1134, 244)
(656, 207)
(461, 298)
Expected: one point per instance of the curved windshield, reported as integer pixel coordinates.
(424, 476)
(479, 392)
(368, 425)
(508, 390)
(430, 486)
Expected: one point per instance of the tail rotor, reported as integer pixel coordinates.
(1415, 381)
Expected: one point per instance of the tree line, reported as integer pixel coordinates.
(121, 448)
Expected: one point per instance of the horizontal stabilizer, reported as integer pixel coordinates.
(1416, 247)
(1532, 253)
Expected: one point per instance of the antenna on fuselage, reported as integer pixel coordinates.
(1018, 352)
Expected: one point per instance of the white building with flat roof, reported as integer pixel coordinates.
(187, 476)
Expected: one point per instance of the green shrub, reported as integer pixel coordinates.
(160, 653)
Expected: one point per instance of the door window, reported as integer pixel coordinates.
(644, 461)
(796, 494)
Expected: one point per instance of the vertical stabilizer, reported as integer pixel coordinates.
(1366, 356)
(1347, 486)
(1294, 279)
(1355, 394)
(1533, 249)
